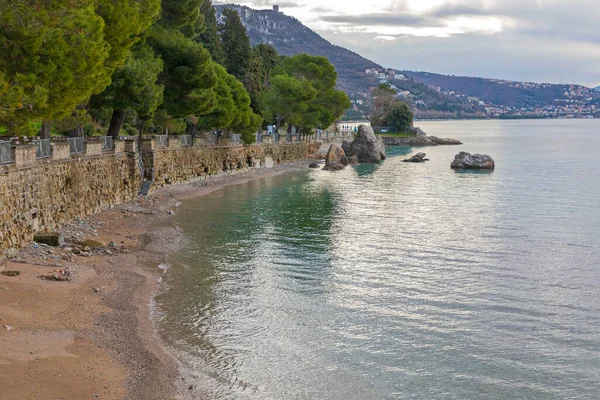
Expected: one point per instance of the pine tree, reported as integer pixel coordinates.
(210, 37)
(188, 75)
(235, 44)
(329, 103)
(56, 48)
(134, 87)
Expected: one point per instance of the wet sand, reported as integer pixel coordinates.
(93, 336)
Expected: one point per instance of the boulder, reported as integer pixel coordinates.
(419, 132)
(368, 147)
(353, 160)
(336, 154)
(445, 141)
(465, 160)
(334, 166)
(314, 165)
(51, 239)
(417, 158)
(410, 141)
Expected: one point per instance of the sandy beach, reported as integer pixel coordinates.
(92, 336)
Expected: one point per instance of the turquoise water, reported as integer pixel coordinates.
(400, 281)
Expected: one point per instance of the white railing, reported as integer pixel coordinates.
(162, 140)
(186, 140)
(5, 153)
(76, 145)
(43, 149)
(107, 143)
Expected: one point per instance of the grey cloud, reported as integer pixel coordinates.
(379, 19)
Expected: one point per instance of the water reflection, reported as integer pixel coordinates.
(398, 280)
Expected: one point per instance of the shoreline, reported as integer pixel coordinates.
(94, 337)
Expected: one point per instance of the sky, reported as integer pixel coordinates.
(555, 41)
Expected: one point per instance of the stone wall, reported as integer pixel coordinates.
(44, 196)
(184, 165)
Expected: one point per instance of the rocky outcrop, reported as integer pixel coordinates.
(445, 141)
(417, 158)
(353, 160)
(368, 147)
(465, 160)
(409, 141)
(335, 159)
(314, 165)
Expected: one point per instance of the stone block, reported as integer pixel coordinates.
(174, 142)
(130, 146)
(93, 149)
(119, 146)
(60, 151)
(148, 145)
(51, 239)
(24, 155)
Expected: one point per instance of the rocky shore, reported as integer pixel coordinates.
(86, 331)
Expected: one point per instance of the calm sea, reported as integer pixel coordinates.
(400, 281)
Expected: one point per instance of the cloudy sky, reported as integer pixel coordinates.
(530, 40)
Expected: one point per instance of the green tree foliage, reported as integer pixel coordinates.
(183, 16)
(287, 99)
(134, 87)
(53, 54)
(398, 116)
(329, 103)
(188, 75)
(233, 111)
(389, 111)
(235, 44)
(264, 59)
(384, 97)
(125, 23)
(210, 37)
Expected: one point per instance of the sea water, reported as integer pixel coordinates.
(398, 280)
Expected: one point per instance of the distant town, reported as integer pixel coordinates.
(575, 102)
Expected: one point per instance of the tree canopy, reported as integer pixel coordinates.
(320, 105)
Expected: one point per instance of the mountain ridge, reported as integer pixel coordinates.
(431, 95)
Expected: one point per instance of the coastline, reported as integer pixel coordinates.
(93, 337)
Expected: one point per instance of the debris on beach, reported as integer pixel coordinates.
(61, 275)
(11, 273)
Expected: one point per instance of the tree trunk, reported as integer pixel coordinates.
(77, 132)
(45, 129)
(116, 121)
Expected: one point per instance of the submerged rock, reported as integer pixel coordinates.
(465, 160)
(314, 165)
(417, 158)
(368, 147)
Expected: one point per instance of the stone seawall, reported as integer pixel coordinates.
(41, 195)
(184, 165)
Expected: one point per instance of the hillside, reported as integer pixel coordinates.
(430, 95)
(290, 37)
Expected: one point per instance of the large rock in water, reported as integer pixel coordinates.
(335, 159)
(368, 147)
(445, 141)
(472, 161)
(417, 158)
